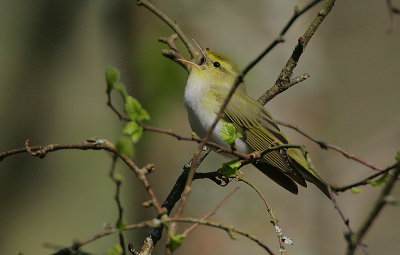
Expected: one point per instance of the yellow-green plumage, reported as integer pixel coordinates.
(207, 87)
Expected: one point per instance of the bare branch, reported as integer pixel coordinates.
(364, 181)
(108, 231)
(296, 14)
(109, 103)
(212, 212)
(287, 72)
(272, 217)
(229, 229)
(392, 10)
(194, 53)
(90, 144)
(327, 146)
(118, 182)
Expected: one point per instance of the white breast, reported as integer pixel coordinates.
(201, 118)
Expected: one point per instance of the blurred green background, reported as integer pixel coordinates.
(53, 57)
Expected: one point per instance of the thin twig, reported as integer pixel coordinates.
(392, 10)
(205, 217)
(284, 77)
(327, 146)
(194, 53)
(213, 145)
(212, 212)
(90, 144)
(364, 181)
(249, 158)
(109, 103)
(229, 229)
(119, 223)
(143, 224)
(296, 14)
(174, 196)
(355, 239)
(272, 218)
(154, 223)
(345, 220)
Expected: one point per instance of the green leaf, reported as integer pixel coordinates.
(133, 130)
(230, 169)
(397, 157)
(175, 241)
(120, 87)
(229, 134)
(118, 178)
(356, 191)
(115, 250)
(124, 146)
(112, 76)
(380, 181)
(121, 225)
(134, 109)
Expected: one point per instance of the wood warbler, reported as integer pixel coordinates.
(206, 89)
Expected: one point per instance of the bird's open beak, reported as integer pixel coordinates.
(188, 62)
(202, 52)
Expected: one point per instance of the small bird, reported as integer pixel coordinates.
(206, 89)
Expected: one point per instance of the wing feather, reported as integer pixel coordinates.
(259, 130)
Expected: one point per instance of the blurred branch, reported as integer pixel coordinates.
(364, 181)
(109, 103)
(272, 218)
(212, 212)
(205, 217)
(345, 220)
(89, 144)
(108, 231)
(173, 197)
(354, 239)
(392, 10)
(327, 146)
(284, 77)
(119, 223)
(164, 220)
(143, 224)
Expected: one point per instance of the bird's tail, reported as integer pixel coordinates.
(306, 170)
(299, 164)
(277, 176)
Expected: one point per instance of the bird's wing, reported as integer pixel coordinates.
(259, 130)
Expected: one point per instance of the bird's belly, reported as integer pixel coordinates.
(200, 122)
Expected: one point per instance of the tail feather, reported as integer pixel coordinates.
(277, 176)
(315, 179)
(299, 161)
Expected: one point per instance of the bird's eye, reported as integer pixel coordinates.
(216, 64)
